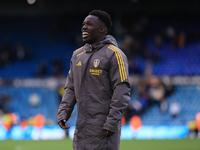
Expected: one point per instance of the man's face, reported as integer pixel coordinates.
(91, 29)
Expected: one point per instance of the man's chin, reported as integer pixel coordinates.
(86, 41)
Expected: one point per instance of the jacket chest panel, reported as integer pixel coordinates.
(98, 64)
(94, 64)
(81, 62)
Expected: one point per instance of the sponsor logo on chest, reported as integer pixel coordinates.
(96, 71)
(96, 63)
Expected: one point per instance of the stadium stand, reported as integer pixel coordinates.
(45, 103)
(189, 105)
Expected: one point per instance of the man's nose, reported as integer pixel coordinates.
(84, 27)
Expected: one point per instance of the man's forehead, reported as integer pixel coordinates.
(94, 19)
(91, 18)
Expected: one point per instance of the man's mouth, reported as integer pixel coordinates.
(84, 34)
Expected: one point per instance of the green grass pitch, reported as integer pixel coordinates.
(66, 144)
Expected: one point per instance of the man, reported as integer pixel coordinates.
(98, 82)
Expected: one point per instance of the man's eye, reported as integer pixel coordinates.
(89, 23)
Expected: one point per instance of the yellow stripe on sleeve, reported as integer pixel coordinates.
(120, 61)
(122, 64)
(117, 62)
(124, 70)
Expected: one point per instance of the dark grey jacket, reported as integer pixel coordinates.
(98, 82)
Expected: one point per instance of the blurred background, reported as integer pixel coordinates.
(160, 38)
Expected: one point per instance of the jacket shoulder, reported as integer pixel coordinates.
(79, 51)
(114, 49)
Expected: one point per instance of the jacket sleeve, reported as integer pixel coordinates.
(68, 100)
(121, 90)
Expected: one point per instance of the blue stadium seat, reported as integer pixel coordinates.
(187, 97)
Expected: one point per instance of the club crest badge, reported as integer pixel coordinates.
(96, 62)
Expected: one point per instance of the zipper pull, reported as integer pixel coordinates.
(90, 47)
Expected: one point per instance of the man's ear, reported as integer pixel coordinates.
(102, 30)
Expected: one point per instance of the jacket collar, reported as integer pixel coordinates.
(96, 46)
(93, 47)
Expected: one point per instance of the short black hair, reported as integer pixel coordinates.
(103, 16)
